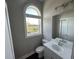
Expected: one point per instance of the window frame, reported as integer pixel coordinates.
(32, 16)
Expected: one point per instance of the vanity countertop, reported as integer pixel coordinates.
(66, 51)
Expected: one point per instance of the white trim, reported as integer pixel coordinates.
(34, 35)
(27, 55)
(35, 8)
(40, 17)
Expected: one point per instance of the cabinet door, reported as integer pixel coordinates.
(47, 54)
(55, 56)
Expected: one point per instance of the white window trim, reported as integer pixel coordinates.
(33, 16)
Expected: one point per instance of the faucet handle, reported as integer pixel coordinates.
(60, 43)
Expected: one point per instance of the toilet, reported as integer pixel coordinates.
(40, 49)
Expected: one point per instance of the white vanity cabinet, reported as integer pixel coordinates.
(48, 54)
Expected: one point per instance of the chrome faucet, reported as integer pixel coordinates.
(61, 42)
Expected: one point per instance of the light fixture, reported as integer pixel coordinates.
(64, 4)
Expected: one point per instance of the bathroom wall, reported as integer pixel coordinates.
(49, 11)
(22, 46)
(55, 26)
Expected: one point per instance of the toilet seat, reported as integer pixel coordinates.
(39, 49)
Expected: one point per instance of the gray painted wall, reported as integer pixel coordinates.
(22, 45)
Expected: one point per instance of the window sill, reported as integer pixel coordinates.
(33, 35)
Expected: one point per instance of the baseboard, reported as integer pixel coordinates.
(27, 55)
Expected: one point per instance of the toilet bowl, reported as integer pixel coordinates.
(40, 49)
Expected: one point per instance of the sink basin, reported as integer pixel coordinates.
(57, 47)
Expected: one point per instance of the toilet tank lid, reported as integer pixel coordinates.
(45, 40)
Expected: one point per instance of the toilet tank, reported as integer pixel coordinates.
(45, 41)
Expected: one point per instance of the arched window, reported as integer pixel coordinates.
(33, 20)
